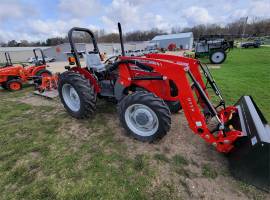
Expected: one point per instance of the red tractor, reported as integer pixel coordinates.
(145, 89)
(13, 76)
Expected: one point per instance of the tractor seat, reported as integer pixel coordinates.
(93, 61)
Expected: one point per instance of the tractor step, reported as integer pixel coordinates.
(107, 89)
(250, 160)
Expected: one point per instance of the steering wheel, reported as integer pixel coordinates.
(112, 59)
(24, 65)
(92, 52)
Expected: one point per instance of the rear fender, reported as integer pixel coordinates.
(89, 76)
(32, 71)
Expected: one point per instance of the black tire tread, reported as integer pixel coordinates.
(4, 85)
(38, 73)
(219, 50)
(11, 81)
(85, 92)
(156, 104)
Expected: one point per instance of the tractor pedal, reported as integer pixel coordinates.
(107, 89)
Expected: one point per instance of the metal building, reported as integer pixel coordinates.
(181, 40)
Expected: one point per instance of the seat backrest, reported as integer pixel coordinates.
(93, 61)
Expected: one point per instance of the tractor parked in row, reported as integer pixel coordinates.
(12, 76)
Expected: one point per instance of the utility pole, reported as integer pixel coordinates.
(244, 27)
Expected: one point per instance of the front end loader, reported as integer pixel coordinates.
(142, 86)
(241, 131)
(250, 159)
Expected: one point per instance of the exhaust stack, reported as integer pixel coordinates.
(121, 39)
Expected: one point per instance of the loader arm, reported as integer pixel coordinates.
(195, 66)
(181, 76)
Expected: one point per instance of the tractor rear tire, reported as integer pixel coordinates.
(145, 116)
(77, 95)
(217, 57)
(14, 85)
(4, 85)
(44, 72)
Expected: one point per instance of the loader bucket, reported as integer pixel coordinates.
(250, 159)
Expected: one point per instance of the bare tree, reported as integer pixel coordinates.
(257, 27)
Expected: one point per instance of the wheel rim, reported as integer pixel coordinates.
(141, 119)
(71, 97)
(217, 57)
(15, 86)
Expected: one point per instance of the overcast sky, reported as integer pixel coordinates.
(39, 19)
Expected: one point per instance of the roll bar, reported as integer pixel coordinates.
(8, 59)
(42, 55)
(72, 44)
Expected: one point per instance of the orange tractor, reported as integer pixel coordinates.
(40, 65)
(13, 76)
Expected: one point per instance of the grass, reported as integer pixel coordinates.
(252, 193)
(165, 191)
(161, 157)
(43, 159)
(209, 172)
(179, 160)
(246, 72)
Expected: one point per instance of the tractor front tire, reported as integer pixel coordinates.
(13, 85)
(76, 94)
(217, 57)
(174, 106)
(145, 116)
(43, 72)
